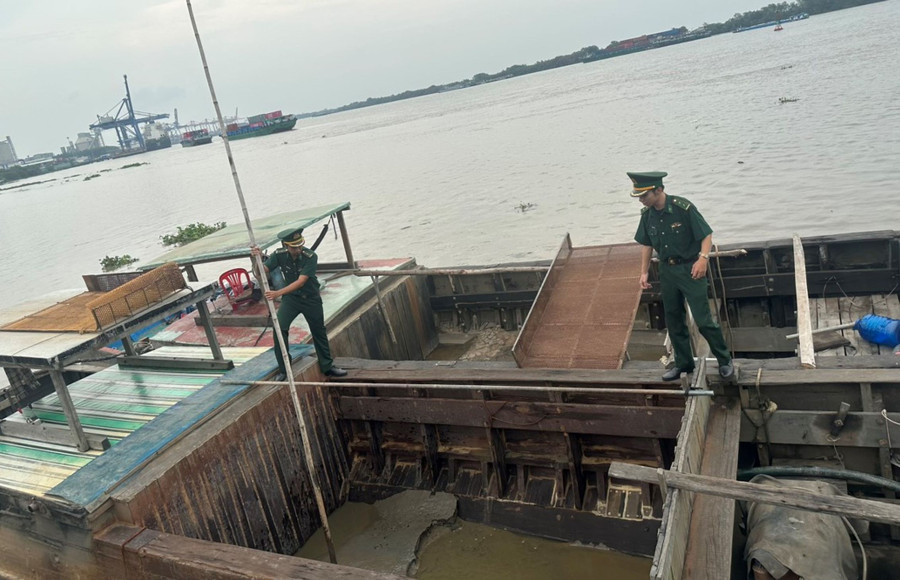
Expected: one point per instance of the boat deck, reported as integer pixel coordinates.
(248, 325)
(827, 312)
(112, 403)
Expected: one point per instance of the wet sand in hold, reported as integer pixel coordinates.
(383, 536)
(473, 551)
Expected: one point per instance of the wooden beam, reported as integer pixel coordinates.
(871, 403)
(625, 421)
(164, 362)
(345, 238)
(712, 518)
(50, 434)
(804, 320)
(801, 379)
(78, 437)
(211, 337)
(237, 320)
(814, 428)
(852, 507)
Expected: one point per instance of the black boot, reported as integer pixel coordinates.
(674, 373)
(335, 372)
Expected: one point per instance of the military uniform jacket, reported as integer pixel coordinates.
(675, 231)
(304, 265)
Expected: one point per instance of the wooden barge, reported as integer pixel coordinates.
(215, 486)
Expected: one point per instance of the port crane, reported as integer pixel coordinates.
(125, 121)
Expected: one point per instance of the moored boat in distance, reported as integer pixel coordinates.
(259, 125)
(777, 23)
(198, 137)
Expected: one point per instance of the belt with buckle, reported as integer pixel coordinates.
(674, 261)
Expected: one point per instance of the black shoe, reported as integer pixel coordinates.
(335, 372)
(726, 371)
(674, 373)
(279, 377)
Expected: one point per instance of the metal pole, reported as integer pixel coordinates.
(282, 343)
(449, 271)
(447, 387)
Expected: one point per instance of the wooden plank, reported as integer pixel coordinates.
(237, 320)
(873, 403)
(656, 422)
(826, 319)
(804, 379)
(77, 435)
(892, 303)
(669, 557)
(49, 433)
(172, 363)
(853, 507)
(709, 547)
(804, 320)
(814, 428)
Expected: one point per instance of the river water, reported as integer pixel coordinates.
(445, 178)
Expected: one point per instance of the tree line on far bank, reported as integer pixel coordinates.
(770, 13)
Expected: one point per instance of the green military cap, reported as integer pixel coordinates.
(645, 181)
(292, 237)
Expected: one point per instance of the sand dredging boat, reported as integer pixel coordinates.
(185, 461)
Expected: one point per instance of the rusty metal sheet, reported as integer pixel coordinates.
(584, 313)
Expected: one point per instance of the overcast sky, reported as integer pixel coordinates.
(61, 62)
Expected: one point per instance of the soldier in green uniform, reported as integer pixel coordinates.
(682, 239)
(300, 295)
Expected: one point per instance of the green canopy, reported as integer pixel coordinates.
(234, 242)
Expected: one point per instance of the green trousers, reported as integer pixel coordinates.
(311, 309)
(677, 288)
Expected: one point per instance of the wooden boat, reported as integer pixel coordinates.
(537, 449)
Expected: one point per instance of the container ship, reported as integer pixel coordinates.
(259, 125)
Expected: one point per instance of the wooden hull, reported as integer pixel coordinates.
(526, 449)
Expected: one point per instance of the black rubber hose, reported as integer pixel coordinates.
(824, 472)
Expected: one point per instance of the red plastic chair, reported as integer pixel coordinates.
(233, 284)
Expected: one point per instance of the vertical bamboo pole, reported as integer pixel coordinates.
(281, 342)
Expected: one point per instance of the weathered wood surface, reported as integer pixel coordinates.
(775, 372)
(709, 550)
(804, 320)
(239, 478)
(125, 551)
(852, 507)
(530, 416)
(808, 378)
(814, 428)
(671, 548)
